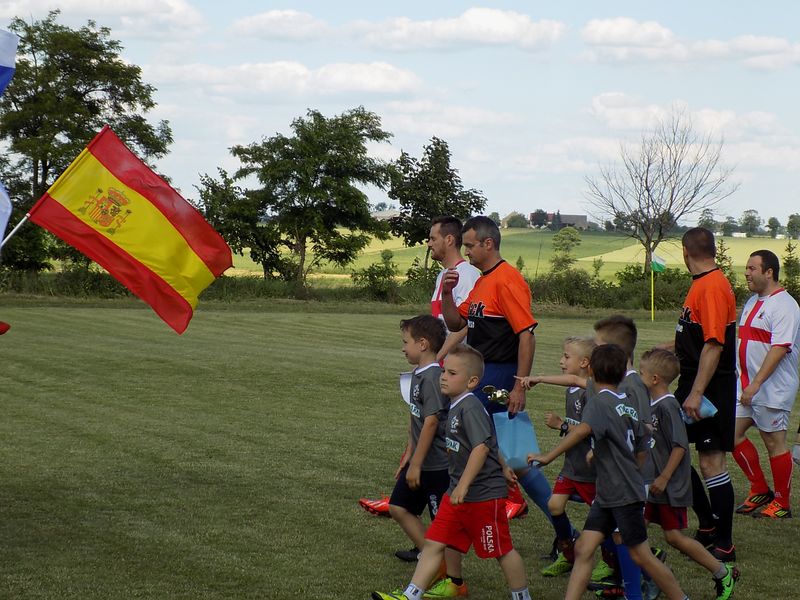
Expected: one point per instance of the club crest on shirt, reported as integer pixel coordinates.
(476, 309)
(579, 406)
(454, 423)
(415, 393)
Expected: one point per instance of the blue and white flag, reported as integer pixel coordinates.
(8, 57)
(5, 210)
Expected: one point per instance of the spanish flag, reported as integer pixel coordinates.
(109, 205)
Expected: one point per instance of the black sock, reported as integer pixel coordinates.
(562, 526)
(700, 503)
(722, 496)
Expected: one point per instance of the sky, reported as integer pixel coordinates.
(532, 97)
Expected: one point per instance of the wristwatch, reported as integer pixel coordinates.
(564, 428)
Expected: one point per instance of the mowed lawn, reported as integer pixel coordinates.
(536, 248)
(227, 462)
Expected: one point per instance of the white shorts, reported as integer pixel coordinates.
(766, 419)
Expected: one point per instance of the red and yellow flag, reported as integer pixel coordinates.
(114, 209)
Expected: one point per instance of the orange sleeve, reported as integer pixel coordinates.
(515, 302)
(714, 306)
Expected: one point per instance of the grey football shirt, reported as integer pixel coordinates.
(469, 426)
(427, 400)
(634, 388)
(617, 435)
(669, 431)
(575, 466)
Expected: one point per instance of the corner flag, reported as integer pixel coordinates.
(8, 57)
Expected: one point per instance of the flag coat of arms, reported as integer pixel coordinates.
(8, 57)
(113, 208)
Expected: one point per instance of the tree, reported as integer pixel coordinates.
(793, 226)
(729, 226)
(707, 219)
(427, 188)
(381, 206)
(774, 226)
(673, 173)
(495, 216)
(516, 220)
(791, 271)
(310, 197)
(750, 222)
(539, 218)
(68, 84)
(564, 242)
(556, 224)
(240, 219)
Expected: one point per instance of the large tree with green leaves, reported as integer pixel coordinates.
(68, 84)
(310, 205)
(426, 188)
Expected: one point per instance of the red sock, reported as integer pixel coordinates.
(746, 456)
(782, 477)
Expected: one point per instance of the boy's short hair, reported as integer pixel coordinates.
(584, 344)
(699, 243)
(619, 330)
(426, 327)
(608, 363)
(449, 225)
(473, 359)
(662, 363)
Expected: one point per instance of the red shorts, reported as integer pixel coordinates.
(482, 524)
(669, 517)
(567, 487)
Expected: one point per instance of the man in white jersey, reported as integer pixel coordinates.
(767, 352)
(445, 246)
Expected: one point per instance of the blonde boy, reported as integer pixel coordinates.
(671, 491)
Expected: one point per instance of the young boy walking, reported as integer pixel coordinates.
(577, 477)
(422, 477)
(619, 441)
(472, 512)
(671, 491)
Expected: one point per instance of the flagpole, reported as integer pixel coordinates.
(16, 228)
(652, 294)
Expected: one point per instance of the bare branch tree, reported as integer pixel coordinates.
(675, 172)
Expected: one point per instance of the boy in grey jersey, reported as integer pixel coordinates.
(422, 477)
(619, 440)
(472, 512)
(671, 491)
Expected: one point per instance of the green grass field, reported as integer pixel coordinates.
(536, 248)
(227, 462)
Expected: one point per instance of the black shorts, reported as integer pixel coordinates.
(629, 519)
(432, 486)
(717, 432)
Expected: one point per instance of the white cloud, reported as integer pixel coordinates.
(289, 25)
(284, 78)
(428, 118)
(625, 40)
(475, 26)
(128, 19)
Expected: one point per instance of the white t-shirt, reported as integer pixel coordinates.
(467, 276)
(769, 321)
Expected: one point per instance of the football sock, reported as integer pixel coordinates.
(522, 594)
(721, 571)
(700, 503)
(562, 526)
(782, 477)
(413, 592)
(631, 573)
(721, 494)
(746, 456)
(608, 550)
(536, 486)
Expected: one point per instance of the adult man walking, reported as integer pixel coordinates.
(768, 342)
(500, 324)
(705, 343)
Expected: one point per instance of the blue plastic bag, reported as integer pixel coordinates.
(516, 438)
(707, 409)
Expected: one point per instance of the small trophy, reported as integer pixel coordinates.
(495, 395)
